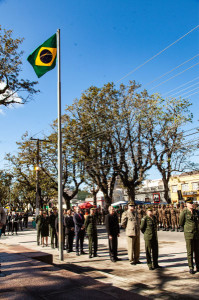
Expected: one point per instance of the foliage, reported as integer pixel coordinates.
(13, 89)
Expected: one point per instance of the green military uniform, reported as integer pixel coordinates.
(91, 229)
(149, 229)
(53, 234)
(190, 221)
(38, 222)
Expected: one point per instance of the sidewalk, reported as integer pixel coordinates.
(171, 282)
(28, 278)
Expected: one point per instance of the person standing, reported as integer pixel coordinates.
(149, 229)
(25, 218)
(131, 222)
(69, 231)
(78, 220)
(91, 229)
(189, 219)
(15, 220)
(53, 233)
(44, 228)
(20, 221)
(2, 223)
(38, 222)
(113, 230)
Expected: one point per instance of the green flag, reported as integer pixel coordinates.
(43, 59)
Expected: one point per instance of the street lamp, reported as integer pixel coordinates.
(37, 189)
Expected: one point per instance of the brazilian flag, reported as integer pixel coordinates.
(43, 59)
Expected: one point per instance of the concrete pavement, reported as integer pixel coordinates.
(171, 282)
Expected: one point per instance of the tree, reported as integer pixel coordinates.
(13, 89)
(168, 144)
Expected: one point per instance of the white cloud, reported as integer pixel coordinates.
(15, 97)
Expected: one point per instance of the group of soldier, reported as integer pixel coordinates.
(15, 221)
(133, 219)
(167, 215)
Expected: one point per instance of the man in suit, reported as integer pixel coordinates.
(69, 231)
(113, 230)
(91, 229)
(2, 223)
(78, 219)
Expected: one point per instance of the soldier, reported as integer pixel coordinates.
(53, 233)
(173, 214)
(131, 222)
(113, 230)
(69, 231)
(177, 216)
(164, 217)
(159, 217)
(155, 214)
(38, 222)
(149, 229)
(2, 223)
(91, 229)
(168, 216)
(140, 213)
(189, 218)
(181, 209)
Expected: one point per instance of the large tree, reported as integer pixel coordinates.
(13, 88)
(170, 149)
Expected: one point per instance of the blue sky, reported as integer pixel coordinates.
(101, 41)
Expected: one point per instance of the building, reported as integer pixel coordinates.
(184, 185)
(150, 191)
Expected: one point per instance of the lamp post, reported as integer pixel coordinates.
(37, 190)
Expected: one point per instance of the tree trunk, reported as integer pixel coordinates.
(166, 190)
(108, 201)
(131, 193)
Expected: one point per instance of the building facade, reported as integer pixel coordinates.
(184, 185)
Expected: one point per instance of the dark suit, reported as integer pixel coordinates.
(79, 233)
(69, 233)
(112, 227)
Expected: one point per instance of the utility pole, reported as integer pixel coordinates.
(37, 174)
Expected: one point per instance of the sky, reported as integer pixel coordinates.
(101, 41)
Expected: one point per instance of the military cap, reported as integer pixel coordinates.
(93, 208)
(149, 208)
(131, 203)
(189, 200)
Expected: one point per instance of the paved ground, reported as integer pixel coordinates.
(171, 282)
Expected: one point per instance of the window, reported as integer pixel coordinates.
(185, 187)
(195, 186)
(174, 188)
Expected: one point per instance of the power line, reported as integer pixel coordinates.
(171, 70)
(137, 68)
(175, 76)
(180, 86)
(187, 92)
(184, 89)
(191, 95)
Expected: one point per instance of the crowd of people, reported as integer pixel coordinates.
(134, 219)
(15, 221)
(78, 223)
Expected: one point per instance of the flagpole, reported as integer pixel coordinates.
(60, 193)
